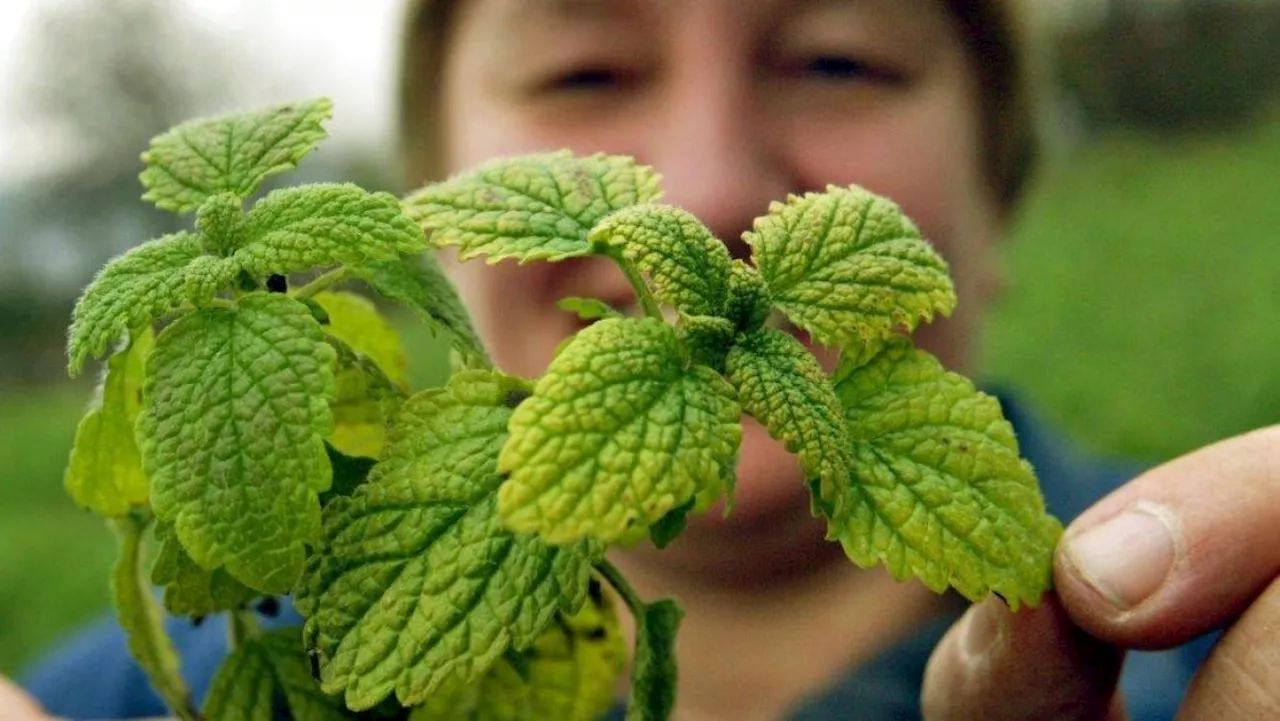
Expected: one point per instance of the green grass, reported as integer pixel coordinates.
(1144, 312)
(1142, 317)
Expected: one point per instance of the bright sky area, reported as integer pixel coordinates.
(339, 48)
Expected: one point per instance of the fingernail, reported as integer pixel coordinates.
(983, 627)
(1126, 558)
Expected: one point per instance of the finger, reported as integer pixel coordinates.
(1241, 679)
(16, 705)
(1034, 664)
(1179, 551)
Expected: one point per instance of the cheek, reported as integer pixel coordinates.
(514, 313)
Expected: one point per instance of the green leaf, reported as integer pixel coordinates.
(356, 321)
(131, 290)
(221, 222)
(265, 668)
(781, 384)
(190, 590)
(937, 488)
(618, 432)
(588, 308)
(105, 471)
(418, 282)
(570, 673)
(706, 338)
(140, 618)
(687, 266)
(532, 207)
(414, 579)
(669, 527)
(748, 305)
(206, 276)
(325, 224)
(364, 401)
(653, 676)
(232, 154)
(237, 408)
(848, 266)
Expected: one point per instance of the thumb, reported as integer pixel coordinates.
(1034, 664)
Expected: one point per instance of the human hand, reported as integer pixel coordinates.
(1195, 547)
(16, 705)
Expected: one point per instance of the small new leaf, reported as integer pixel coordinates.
(748, 305)
(618, 432)
(206, 276)
(131, 290)
(588, 308)
(937, 488)
(653, 676)
(781, 384)
(687, 266)
(266, 668)
(190, 590)
(569, 673)
(233, 154)
(237, 409)
(320, 225)
(105, 472)
(533, 207)
(414, 580)
(848, 266)
(417, 282)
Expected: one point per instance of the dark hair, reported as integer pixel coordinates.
(992, 31)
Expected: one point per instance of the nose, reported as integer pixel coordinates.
(715, 156)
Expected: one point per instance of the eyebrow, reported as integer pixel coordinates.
(521, 11)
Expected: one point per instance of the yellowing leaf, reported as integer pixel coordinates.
(687, 265)
(131, 290)
(364, 401)
(232, 154)
(414, 580)
(848, 266)
(105, 472)
(618, 432)
(356, 321)
(533, 207)
(190, 590)
(937, 488)
(236, 411)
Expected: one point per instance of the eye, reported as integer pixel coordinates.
(590, 78)
(836, 67)
(839, 68)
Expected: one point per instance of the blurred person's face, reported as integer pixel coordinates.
(736, 104)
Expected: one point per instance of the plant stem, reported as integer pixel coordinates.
(620, 584)
(143, 621)
(647, 301)
(323, 282)
(241, 625)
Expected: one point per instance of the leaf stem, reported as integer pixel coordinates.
(647, 301)
(143, 621)
(624, 588)
(321, 283)
(241, 625)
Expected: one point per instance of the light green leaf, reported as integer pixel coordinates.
(532, 207)
(237, 408)
(190, 590)
(324, 224)
(356, 321)
(749, 304)
(415, 580)
(653, 673)
(687, 266)
(221, 222)
(131, 290)
(618, 432)
(266, 667)
(232, 154)
(781, 384)
(706, 338)
(848, 266)
(364, 401)
(417, 282)
(588, 308)
(569, 673)
(937, 488)
(105, 472)
(141, 619)
(206, 276)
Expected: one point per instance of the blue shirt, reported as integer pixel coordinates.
(94, 677)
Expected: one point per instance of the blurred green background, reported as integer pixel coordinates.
(1141, 312)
